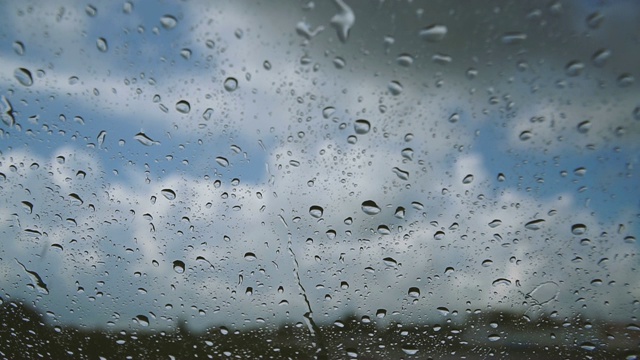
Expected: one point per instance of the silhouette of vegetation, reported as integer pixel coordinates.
(25, 335)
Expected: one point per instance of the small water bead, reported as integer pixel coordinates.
(230, 84)
(183, 106)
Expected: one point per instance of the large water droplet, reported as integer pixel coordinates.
(230, 84)
(178, 266)
(23, 76)
(168, 193)
(433, 33)
(494, 337)
(18, 47)
(100, 138)
(395, 88)
(168, 22)
(142, 320)
(588, 346)
(405, 60)
(144, 139)
(525, 135)
(512, 38)
(222, 161)
(404, 175)
(183, 106)
(250, 256)
(316, 211)
(414, 292)
(28, 207)
(343, 21)
(600, 57)
(361, 126)
(369, 207)
(495, 223)
(409, 349)
(578, 229)
(534, 224)
(574, 68)
(468, 179)
(501, 281)
(102, 45)
(381, 313)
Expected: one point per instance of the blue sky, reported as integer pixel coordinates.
(119, 244)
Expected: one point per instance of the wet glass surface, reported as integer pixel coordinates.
(307, 179)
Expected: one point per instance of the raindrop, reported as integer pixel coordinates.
(267, 65)
(472, 73)
(168, 193)
(142, 320)
(407, 153)
(512, 38)
(625, 80)
(395, 88)
(361, 126)
(183, 106)
(578, 229)
(454, 118)
(588, 346)
(316, 211)
(433, 33)
(168, 22)
(352, 353)
(495, 223)
(544, 293)
(636, 113)
(100, 138)
(186, 53)
(534, 224)
(36, 280)
(250, 256)
(487, 262)
(414, 292)
(230, 84)
(409, 349)
(399, 212)
(249, 291)
(101, 44)
(404, 175)
(91, 10)
(574, 68)
(468, 179)
(28, 207)
(441, 59)
(501, 281)
(343, 21)
(494, 337)
(331, 234)
(581, 171)
(222, 161)
(405, 60)
(600, 57)
(391, 262)
(144, 139)
(369, 207)
(23, 76)
(439, 235)
(381, 313)
(525, 135)
(18, 47)
(501, 177)
(594, 20)
(328, 111)
(207, 114)
(339, 62)
(384, 230)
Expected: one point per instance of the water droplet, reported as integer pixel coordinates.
(454, 118)
(36, 280)
(544, 293)
(23, 76)
(145, 140)
(574, 68)
(501, 281)
(207, 114)
(433, 33)
(168, 22)
(588, 346)
(28, 207)
(409, 349)
(142, 320)
(222, 161)
(495, 223)
(594, 20)
(414, 292)
(534, 224)
(183, 106)
(399, 212)
(250, 256)
(316, 211)
(331, 234)
(405, 60)
(381, 313)
(101, 44)
(443, 310)
(395, 88)
(328, 111)
(343, 21)
(404, 175)
(625, 80)
(407, 153)
(512, 38)
(487, 262)
(351, 352)
(391, 262)
(369, 207)
(91, 10)
(494, 337)
(267, 65)
(230, 84)
(18, 47)
(439, 235)
(100, 138)
(525, 135)
(361, 126)
(168, 193)
(600, 57)
(578, 229)
(581, 171)
(249, 291)
(339, 62)
(441, 59)
(468, 179)
(501, 177)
